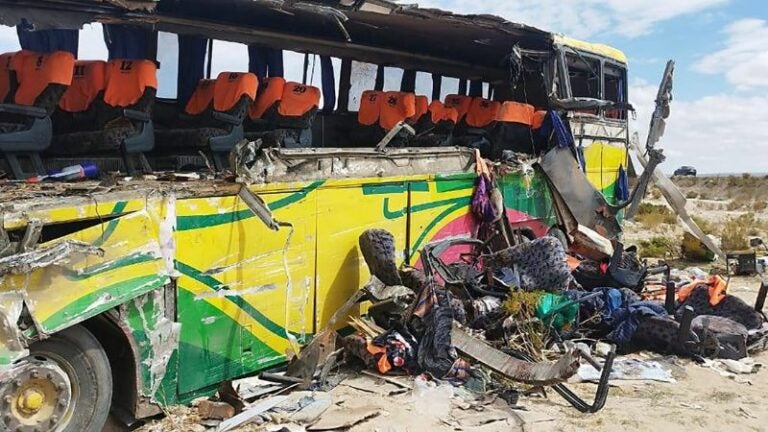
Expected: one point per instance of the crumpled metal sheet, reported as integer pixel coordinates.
(542, 373)
(26, 262)
(265, 165)
(587, 205)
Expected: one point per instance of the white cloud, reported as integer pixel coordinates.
(583, 18)
(723, 133)
(744, 58)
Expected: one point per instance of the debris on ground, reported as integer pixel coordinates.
(480, 327)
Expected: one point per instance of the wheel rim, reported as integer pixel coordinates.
(39, 398)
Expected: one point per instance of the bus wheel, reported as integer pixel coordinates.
(378, 248)
(559, 235)
(64, 385)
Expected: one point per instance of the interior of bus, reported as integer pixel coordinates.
(307, 75)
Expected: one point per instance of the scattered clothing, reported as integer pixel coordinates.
(717, 287)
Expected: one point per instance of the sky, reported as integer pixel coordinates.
(719, 119)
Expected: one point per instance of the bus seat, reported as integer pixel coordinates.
(422, 107)
(213, 117)
(234, 92)
(78, 106)
(288, 122)
(6, 80)
(396, 107)
(436, 127)
(460, 103)
(201, 99)
(25, 125)
(370, 108)
(482, 113)
(513, 129)
(124, 121)
(270, 93)
(538, 119)
(298, 106)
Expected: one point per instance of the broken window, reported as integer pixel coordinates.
(584, 75)
(615, 85)
(363, 77)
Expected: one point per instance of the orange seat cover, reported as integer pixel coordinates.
(440, 112)
(201, 98)
(460, 103)
(231, 87)
(538, 118)
(270, 93)
(370, 108)
(5, 74)
(516, 112)
(38, 71)
(127, 80)
(89, 79)
(482, 112)
(396, 107)
(17, 61)
(298, 99)
(422, 107)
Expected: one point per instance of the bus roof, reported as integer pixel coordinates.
(375, 31)
(593, 48)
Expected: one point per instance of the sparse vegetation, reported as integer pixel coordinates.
(651, 215)
(692, 195)
(735, 231)
(657, 247)
(704, 224)
(759, 206)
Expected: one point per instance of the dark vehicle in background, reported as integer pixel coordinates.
(685, 171)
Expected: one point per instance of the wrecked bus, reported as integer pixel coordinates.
(131, 293)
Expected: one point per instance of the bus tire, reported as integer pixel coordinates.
(378, 248)
(557, 233)
(77, 352)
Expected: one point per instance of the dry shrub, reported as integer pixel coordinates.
(651, 215)
(736, 230)
(655, 193)
(741, 201)
(691, 195)
(657, 247)
(704, 224)
(759, 206)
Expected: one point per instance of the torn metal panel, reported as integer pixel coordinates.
(12, 347)
(253, 165)
(162, 339)
(587, 205)
(677, 201)
(544, 373)
(56, 254)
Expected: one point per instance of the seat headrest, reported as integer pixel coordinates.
(516, 112)
(396, 107)
(89, 79)
(482, 112)
(231, 87)
(460, 102)
(201, 98)
(368, 114)
(127, 80)
(440, 113)
(270, 93)
(36, 72)
(298, 99)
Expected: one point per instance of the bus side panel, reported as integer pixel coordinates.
(440, 209)
(603, 161)
(237, 308)
(343, 214)
(85, 285)
(528, 202)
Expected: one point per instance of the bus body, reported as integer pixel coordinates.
(183, 286)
